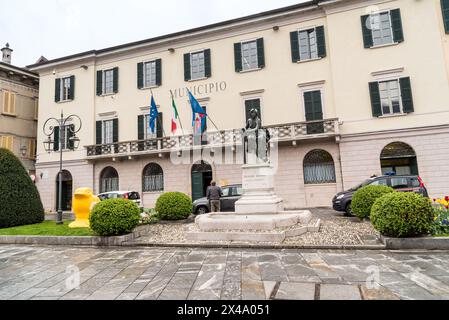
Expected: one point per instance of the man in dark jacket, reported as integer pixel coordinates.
(214, 194)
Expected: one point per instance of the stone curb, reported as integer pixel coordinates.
(425, 243)
(75, 241)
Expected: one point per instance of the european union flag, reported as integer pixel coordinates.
(153, 115)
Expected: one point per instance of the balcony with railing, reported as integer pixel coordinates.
(329, 128)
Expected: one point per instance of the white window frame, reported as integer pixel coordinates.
(104, 87)
(308, 43)
(256, 67)
(107, 132)
(401, 105)
(200, 76)
(388, 12)
(65, 95)
(145, 80)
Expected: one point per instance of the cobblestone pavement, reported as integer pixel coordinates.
(34, 272)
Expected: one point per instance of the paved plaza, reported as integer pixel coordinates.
(34, 272)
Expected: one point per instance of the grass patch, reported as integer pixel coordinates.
(47, 228)
(441, 235)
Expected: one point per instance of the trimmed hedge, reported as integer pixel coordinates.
(174, 206)
(364, 198)
(114, 217)
(402, 214)
(20, 203)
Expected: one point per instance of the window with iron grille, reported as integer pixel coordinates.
(109, 180)
(319, 168)
(153, 178)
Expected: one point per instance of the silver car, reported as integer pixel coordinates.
(134, 196)
(231, 194)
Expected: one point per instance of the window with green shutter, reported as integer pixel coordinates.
(382, 28)
(99, 83)
(238, 56)
(140, 75)
(115, 80)
(207, 64)
(57, 90)
(445, 11)
(260, 53)
(159, 72)
(308, 44)
(391, 97)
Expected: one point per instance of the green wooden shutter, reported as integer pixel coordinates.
(294, 43)
(57, 90)
(207, 64)
(160, 126)
(115, 80)
(159, 72)
(396, 23)
(56, 139)
(445, 11)
(98, 132)
(376, 105)
(99, 83)
(187, 72)
(72, 88)
(140, 75)
(140, 127)
(321, 41)
(238, 56)
(367, 33)
(260, 53)
(406, 93)
(71, 134)
(115, 130)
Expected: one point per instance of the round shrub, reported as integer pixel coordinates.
(402, 214)
(364, 198)
(20, 203)
(114, 217)
(174, 206)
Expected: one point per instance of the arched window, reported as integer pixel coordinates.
(109, 180)
(153, 178)
(319, 167)
(398, 158)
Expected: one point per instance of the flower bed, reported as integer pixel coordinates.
(440, 226)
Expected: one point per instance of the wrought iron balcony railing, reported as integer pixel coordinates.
(278, 133)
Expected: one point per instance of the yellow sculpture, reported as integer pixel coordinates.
(83, 202)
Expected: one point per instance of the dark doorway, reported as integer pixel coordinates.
(67, 188)
(399, 158)
(201, 179)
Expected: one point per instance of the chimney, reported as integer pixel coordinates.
(6, 54)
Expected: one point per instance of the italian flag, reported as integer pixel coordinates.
(174, 125)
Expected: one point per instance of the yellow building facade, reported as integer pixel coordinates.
(347, 88)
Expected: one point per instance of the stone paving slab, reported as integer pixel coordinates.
(32, 273)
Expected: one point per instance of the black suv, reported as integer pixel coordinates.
(403, 183)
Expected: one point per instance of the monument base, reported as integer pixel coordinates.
(258, 191)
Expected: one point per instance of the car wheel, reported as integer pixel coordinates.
(201, 210)
(348, 211)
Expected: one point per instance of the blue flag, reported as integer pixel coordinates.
(196, 108)
(153, 115)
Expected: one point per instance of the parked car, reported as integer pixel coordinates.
(130, 195)
(402, 183)
(231, 194)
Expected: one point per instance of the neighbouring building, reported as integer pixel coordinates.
(348, 88)
(18, 110)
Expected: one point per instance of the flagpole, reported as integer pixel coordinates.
(179, 116)
(212, 122)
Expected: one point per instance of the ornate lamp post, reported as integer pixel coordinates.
(68, 127)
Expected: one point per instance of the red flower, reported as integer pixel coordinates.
(434, 200)
(446, 198)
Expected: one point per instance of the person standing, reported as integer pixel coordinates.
(214, 194)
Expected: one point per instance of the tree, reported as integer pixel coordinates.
(20, 203)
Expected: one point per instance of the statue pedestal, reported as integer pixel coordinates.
(258, 191)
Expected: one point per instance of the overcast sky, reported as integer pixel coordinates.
(56, 28)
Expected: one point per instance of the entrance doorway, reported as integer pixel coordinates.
(201, 179)
(399, 158)
(67, 188)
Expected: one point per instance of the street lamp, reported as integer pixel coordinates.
(68, 126)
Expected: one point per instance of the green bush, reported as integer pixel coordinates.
(402, 214)
(114, 217)
(364, 198)
(20, 203)
(173, 206)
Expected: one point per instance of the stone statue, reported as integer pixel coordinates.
(255, 140)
